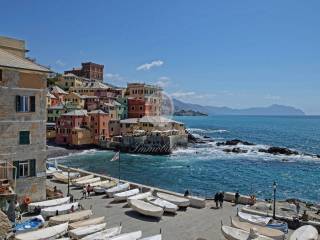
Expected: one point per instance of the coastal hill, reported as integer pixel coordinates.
(189, 113)
(273, 110)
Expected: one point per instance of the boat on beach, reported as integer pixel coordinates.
(146, 209)
(105, 234)
(179, 201)
(127, 236)
(123, 196)
(63, 176)
(81, 232)
(29, 224)
(71, 217)
(86, 182)
(141, 196)
(306, 232)
(167, 206)
(154, 237)
(119, 188)
(88, 222)
(263, 221)
(83, 178)
(265, 231)
(232, 233)
(48, 203)
(44, 233)
(60, 209)
(99, 183)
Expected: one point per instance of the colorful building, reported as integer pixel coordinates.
(89, 70)
(22, 122)
(136, 108)
(76, 99)
(123, 109)
(58, 93)
(51, 100)
(70, 80)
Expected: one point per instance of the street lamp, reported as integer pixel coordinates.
(274, 199)
(68, 182)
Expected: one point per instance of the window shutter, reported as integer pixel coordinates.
(32, 164)
(15, 170)
(18, 103)
(32, 103)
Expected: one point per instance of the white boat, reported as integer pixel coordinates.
(265, 231)
(231, 233)
(99, 190)
(146, 209)
(71, 217)
(155, 237)
(48, 203)
(141, 196)
(81, 232)
(63, 176)
(60, 209)
(119, 188)
(105, 234)
(86, 182)
(44, 233)
(306, 232)
(167, 206)
(63, 239)
(179, 201)
(87, 222)
(263, 221)
(83, 178)
(51, 170)
(122, 196)
(99, 183)
(128, 236)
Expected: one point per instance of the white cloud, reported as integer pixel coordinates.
(272, 97)
(60, 63)
(148, 66)
(181, 94)
(163, 82)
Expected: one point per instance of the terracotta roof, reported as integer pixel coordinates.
(12, 61)
(56, 89)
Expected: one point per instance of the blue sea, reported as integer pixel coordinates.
(204, 169)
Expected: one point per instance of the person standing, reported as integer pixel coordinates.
(298, 207)
(221, 198)
(84, 192)
(236, 198)
(216, 199)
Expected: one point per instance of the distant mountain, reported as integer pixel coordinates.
(273, 110)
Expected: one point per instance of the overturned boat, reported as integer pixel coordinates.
(71, 217)
(123, 196)
(48, 203)
(105, 234)
(119, 188)
(60, 209)
(179, 201)
(146, 209)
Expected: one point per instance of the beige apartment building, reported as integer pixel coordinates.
(22, 121)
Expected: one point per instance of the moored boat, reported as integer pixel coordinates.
(154, 237)
(141, 196)
(29, 224)
(146, 209)
(88, 222)
(306, 232)
(48, 203)
(265, 231)
(81, 232)
(71, 217)
(231, 233)
(119, 188)
(60, 209)
(179, 201)
(167, 206)
(127, 236)
(44, 233)
(105, 234)
(122, 196)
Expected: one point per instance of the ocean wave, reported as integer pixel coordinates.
(83, 152)
(203, 131)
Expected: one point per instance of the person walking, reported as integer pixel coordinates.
(298, 207)
(84, 192)
(216, 200)
(88, 190)
(221, 198)
(236, 198)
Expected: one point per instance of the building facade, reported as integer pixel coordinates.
(23, 123)
(89, 70)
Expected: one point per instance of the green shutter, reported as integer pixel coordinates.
(24, 137)
(16, 169)
(32, 165)
(18, 103)
(32, 103)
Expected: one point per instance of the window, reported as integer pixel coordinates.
(24, 137)
(26, 168)
(25, 104)
(0, 74)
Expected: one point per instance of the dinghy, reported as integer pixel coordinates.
(105, 234)
(83, 178)
(179, 201)
(99, 190)
(83, 223)
(119, 188)
(44, 233)
(30, 224)
(49, 203)
(231, 233)
(61, 209)
(51, 170)
(263, 221)
(63, 177)
(71, 217)
(123, 196)
(167, 206)
(265, 231)
(87, 230)
(86, 182)
(155, 237)
(306, 232)
(140, 196)
(98, 184)
(128, 236)
(146, 209)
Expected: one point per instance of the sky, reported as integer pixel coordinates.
(231, 53)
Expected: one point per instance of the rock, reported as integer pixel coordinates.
(235, 150)
(278, 150)
(234, 142)
(205, 136)
(318, 156)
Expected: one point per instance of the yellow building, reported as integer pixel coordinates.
(70, 80)
(76, 99)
